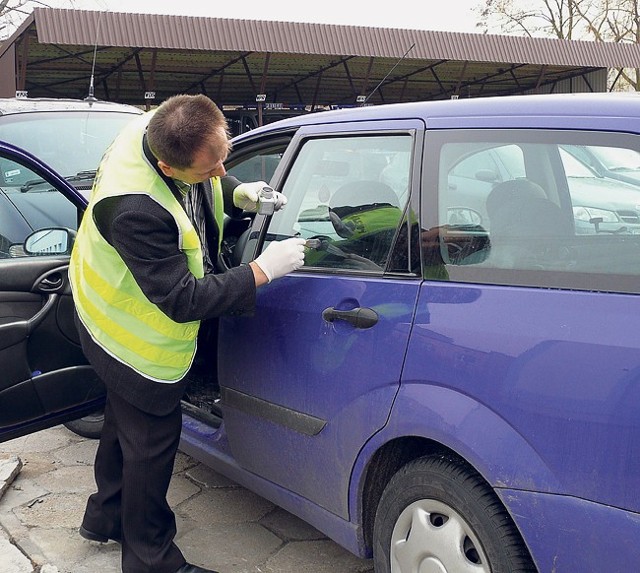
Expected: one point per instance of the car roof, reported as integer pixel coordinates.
(24, 105)
(541, 110)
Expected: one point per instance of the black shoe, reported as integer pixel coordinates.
(93, 536)
(188, 568)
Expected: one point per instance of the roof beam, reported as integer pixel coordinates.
(540, 76)
(219, 70)
(463, 72)
(22, 67)
(263, 85)
(320, 70)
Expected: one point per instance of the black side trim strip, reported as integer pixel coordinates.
(297, 421)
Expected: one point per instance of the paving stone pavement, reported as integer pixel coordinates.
(45, 479)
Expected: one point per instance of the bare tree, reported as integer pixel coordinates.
(597, 20)
(566, 19)
(13, 12)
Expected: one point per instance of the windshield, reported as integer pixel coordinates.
(70, 142)
(617, 159)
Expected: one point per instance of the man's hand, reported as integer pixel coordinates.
(281, 257)
(246, 196)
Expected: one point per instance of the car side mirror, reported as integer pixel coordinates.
(56, 241)
(487, 175)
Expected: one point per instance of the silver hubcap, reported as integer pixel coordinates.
(429, 537)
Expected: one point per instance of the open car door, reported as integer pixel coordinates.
(45, 379)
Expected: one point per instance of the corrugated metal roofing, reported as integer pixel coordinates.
(141, 59)
(83, 27)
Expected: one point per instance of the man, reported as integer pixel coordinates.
(143, 279)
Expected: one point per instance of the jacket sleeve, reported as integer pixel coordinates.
(146, 237)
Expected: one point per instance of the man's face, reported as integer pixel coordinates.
(204, 167)
(208, 162)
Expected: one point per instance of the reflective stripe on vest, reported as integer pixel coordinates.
(109, 302)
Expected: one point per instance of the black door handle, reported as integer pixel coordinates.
(358, 317)
(51, 283)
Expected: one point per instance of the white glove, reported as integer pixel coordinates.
(245, 196)
(281, 257)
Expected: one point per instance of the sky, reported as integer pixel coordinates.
(457, 16)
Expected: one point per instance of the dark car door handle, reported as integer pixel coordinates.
(358, 317)
(51, 282)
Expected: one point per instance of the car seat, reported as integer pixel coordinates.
(366, 213)
(363, 192)
(527, 230)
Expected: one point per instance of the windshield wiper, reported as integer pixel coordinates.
(32, 183)
(80, 176)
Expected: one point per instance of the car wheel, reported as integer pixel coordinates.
(88, 427)
(438, 514)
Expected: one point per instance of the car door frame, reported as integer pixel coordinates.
(37, 307)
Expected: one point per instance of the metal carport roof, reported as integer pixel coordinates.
(293, 64)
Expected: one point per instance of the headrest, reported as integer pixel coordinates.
(363, 192)
(520, 208)
(514, 189)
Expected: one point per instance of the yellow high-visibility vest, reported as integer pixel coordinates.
(109, 302)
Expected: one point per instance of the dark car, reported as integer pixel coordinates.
(70, 136)
(452, 380)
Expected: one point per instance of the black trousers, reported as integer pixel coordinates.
(133, 468)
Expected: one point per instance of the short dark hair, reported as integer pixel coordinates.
(182, 125)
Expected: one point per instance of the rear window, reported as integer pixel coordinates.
(533, 208)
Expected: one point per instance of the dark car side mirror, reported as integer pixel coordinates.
(56, 241)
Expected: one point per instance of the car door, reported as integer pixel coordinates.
(312, 375)
(44, 377)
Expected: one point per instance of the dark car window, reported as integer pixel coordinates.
(258, 167)
(521, 208)
(29, 203)
(71, 138)
(347, 195)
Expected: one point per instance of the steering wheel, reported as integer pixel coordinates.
(350, 260)
(344, 230)
(236, 235)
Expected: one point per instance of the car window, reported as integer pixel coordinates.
(495, 164)
(347, 195)
(71, 142)
(531, 211)
(258, 167)
(29, 203)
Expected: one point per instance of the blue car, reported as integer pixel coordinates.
(452, 380)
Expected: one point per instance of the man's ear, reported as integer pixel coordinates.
(166, 169)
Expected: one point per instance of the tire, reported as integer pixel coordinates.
(438, 514)
(88, 427)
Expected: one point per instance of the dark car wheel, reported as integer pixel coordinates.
(437, 514)
(88, 427)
